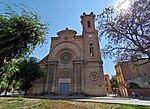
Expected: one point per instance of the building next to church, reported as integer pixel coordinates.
(107, 84)
(133, 78)
(74, 64)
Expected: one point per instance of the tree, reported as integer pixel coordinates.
(20, 33)
(19, 73)
(114, 83)
(9, 74)
(29, 72)
(133, 85)
(127, 32)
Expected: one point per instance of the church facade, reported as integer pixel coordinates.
(74, 64)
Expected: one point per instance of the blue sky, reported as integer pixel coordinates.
(65, 13)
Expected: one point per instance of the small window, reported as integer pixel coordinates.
(89, 25)
(91, 50)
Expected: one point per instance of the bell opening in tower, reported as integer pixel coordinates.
(89, 24)
(91, 50)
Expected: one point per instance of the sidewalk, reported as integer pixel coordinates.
(118, 100)
(111, 99)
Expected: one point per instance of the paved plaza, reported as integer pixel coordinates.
(110, 99)
(119, 100)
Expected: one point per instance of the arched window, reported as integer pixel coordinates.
(107, 89)
(88, 23)
(91, 49)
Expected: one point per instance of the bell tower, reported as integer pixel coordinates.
(93, 71)
(87, 22)
(90, 38)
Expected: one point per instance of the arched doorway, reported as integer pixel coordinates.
(64, 83)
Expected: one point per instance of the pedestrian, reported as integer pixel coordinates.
(141, 95)
(133, 94)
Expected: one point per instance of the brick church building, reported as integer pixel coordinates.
(74, 64)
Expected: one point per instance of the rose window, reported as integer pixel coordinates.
(66, 57)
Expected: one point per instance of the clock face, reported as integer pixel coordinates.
(89, 35)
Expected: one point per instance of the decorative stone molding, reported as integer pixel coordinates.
(65, 44)
(94, 76)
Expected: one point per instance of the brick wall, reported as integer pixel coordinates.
(145, 92)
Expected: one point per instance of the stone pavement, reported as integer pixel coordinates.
(118, 100)
(110, 99)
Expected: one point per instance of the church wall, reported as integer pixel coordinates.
(94, 78)
(93, 69)
(70, 64)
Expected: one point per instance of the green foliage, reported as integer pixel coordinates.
(8, 74)
(114, 83)
(133, 85)
(21, 32)
(19, 74)
(29, 72)
(129, 106)
(127, 32)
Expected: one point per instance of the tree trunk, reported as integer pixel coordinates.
(9, 83)
(6, 90)
(2, 57)
(25, 93)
